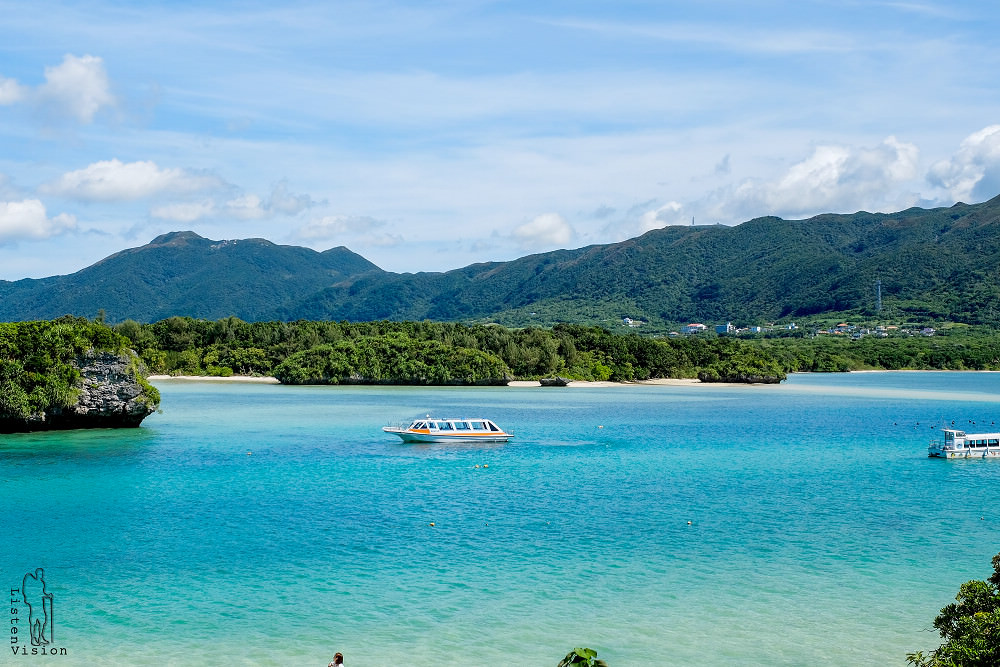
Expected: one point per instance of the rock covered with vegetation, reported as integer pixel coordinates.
(70, 373)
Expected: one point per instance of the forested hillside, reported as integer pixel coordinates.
(182, 273)
(933, 265)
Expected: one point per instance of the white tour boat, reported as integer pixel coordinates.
(961, 445)
(433, 429)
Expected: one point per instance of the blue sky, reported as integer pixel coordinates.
(427, 136)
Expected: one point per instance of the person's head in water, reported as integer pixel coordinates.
(338, 659)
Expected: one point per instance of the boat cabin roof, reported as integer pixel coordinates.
(956, 433)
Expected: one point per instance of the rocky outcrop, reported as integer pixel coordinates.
(111, 393)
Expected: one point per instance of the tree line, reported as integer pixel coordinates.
(321, 352)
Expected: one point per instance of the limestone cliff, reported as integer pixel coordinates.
(110, 393)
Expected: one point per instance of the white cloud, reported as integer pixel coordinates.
(660, 217)
(28, 220)
(184, 211)
(332, 227)
(283, 201)
(79, 86)
(546, 230)
(833, 178)
(113, 180)
(241, 207)
(361, 230)
(11, 91)
(974, 171)
(246, 207)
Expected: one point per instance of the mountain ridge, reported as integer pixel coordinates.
(940, 263)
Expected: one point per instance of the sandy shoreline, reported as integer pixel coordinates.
(672, 382)
(209, 378)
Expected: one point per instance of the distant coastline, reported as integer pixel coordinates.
(673, 382)
(212, 378)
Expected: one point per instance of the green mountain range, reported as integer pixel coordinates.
(932, 264)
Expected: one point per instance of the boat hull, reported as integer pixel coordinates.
(967, 453)
(407, 435)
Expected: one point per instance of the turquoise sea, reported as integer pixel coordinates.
(270, 525)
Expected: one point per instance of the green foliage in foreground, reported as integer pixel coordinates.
(970, 627)
(433, 353)
(584, 657)
(37, 370)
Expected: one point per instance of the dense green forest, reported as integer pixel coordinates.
(441, 353)
(434, 353)
(931, 266)
(38, 370)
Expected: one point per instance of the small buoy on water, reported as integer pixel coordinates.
(477, 465)
(601, 426)
(432, 524)
(249, 453)
(486, 465)
(689, 523)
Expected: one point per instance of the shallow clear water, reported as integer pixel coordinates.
(261, 524)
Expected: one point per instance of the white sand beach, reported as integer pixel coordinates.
(673, 382)
(208, 378)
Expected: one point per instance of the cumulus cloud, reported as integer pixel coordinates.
(973, 173)
(281, 201)
(246, 206)
(332, 227)
(113, 180)
(28, 220)
(546, 230)
(361, 229)
(11, 91)
(184, 211)
(660, 217)
(833, 178)
(78, 86)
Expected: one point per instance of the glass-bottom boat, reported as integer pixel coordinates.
(433, 429)
(957, 444)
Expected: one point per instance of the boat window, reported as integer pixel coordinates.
(419, 425)
(478, 426)
(461, 426)
(444, 426)
(994, 443)
(493, 427)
